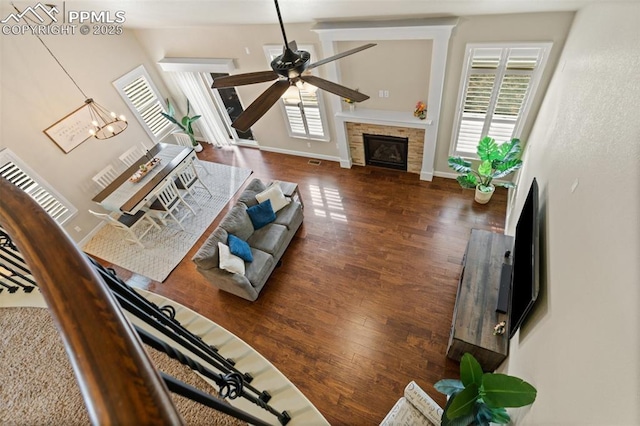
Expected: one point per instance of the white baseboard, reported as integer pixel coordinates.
(90, 235)
(447, 175)
(300, 153)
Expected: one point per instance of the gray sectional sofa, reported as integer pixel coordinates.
(267, 244)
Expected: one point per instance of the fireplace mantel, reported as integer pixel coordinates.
(383, 118)
(436, 29)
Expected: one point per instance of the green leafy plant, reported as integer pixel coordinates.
(496, 161)
(185, 124)
(479, 398)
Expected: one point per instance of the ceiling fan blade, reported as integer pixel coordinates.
(261, 105)
(244, 79)
(340, 55)
(293, 45)
(334, 88)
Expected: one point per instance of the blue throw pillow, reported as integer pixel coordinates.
(239, 248)
(261, 214)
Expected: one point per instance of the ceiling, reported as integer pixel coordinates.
(173, 13)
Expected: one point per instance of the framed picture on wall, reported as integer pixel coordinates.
(72, 130)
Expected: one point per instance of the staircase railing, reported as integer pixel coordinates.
(118, 382)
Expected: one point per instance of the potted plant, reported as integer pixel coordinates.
(496, 161)
(479, 398)
(185, 124)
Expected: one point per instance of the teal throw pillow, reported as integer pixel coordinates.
(239, 248)
(261, 214)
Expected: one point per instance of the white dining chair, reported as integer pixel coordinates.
(105, 176)
(132, 155)
(183, 139)
(187, 178)
(129, 224)
(167, 205)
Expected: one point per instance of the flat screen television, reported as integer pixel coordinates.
(525, 278)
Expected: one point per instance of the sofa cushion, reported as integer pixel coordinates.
(207, 256)
(269, 238)
(240, 248)
(273, 193)
(230, 262)
(261, 214)
(248, 196)
(287, 215)
(237, 222)
(261, 265)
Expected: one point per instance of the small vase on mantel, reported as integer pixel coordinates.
(352, 106)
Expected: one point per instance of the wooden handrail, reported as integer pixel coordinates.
(117, 380)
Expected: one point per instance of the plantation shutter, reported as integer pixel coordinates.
(19, 174)
(304, 112)
(496, 91)
(143, 99)
(304, 117)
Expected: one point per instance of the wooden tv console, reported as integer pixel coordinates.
(475, 315)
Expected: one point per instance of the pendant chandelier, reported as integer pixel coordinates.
(105, 124)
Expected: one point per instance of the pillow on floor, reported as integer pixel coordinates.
(273, 193)
(240, 248)
(261, 214)
(230, 262)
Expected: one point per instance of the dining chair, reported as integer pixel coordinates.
(167, 204)
(186, 178)
(105, 176)
(184, 140)
(132, 155)
(129, 224)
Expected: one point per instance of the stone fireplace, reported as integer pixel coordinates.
(414, 143)
(385, 151)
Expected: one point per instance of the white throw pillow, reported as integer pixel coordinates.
(273, 193)
(230, 262)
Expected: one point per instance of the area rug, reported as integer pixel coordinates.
(165, 248)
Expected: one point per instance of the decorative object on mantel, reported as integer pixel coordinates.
(185, 124)
(144, 169)
(66, 132)
(420, 111)
(496, 161)
(479, 398)
(350, 102)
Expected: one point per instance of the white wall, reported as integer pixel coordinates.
(36, 93)
(580, 349)
(525, 27)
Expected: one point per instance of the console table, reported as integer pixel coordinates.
(475, 315)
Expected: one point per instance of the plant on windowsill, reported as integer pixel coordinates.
(496, 161)
(185, 124)
(479, 398)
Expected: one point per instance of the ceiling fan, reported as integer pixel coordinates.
(287, 69)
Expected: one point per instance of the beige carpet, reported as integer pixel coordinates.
(38, 386)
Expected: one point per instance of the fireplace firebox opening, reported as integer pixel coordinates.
(386, 151)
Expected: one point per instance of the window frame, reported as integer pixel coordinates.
(121, 83)
(25, 178)
(273, 50)
(500, 72)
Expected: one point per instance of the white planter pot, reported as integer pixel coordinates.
(484, 197)
(198, 148)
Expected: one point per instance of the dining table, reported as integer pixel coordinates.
(128, 194)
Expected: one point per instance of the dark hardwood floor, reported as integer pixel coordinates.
(363, 301)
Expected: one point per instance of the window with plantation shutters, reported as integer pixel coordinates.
(143, 98)
(303, 108)
(18, 173)
(496, 91)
